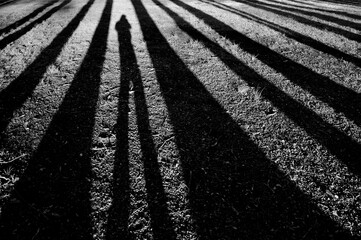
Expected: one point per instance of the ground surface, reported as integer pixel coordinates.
(180, 119)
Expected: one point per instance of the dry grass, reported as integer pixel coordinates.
(181, 119)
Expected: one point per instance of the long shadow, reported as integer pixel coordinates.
(230, 179)
(157, 200)
(117, 226)
(321, 26)
(340, 98)
(344, 2)
(3, 3)
(26, 18)
(16, 93)
(314, 14)
(12, 37)
(291, 34)
(52, 200)
(313, 7)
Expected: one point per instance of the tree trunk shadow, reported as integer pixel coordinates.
(290, 34)
(14, 36)
(336, 95)
(20, 89)
(322, 26)
(235, 191)
(26, 18)
(51, 200)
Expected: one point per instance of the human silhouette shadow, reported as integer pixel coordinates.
(337, 96)
(20, 89)
(117, 226)
(156, 198)
(231, 182)
(290, 34)
(26, 18)
(322, 26)
(52, 198)
(14, 36)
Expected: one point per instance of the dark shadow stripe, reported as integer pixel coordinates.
(26, 18)
(20, 89)
(6, 2)
(337, 96)
(225, 171)
(156, 197)
(157, 200)
(14, 36)
(291, 34)
(53, 195)
(117, 226)
(343, 2)
(314, 14)
(321, 26)
(313, 7)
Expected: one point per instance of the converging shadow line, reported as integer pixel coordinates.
(291, 34)
(26, 18)
(157, 199)
(328, 18)
(57, 179)
(12, 37)
(179, 82)
(321, 26)
(313, 7)
(20, 89)
(309, 120)
(337, 96)
(344, 2)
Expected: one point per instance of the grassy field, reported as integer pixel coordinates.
(180, 119)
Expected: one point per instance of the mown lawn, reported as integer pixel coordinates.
(180, 119)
